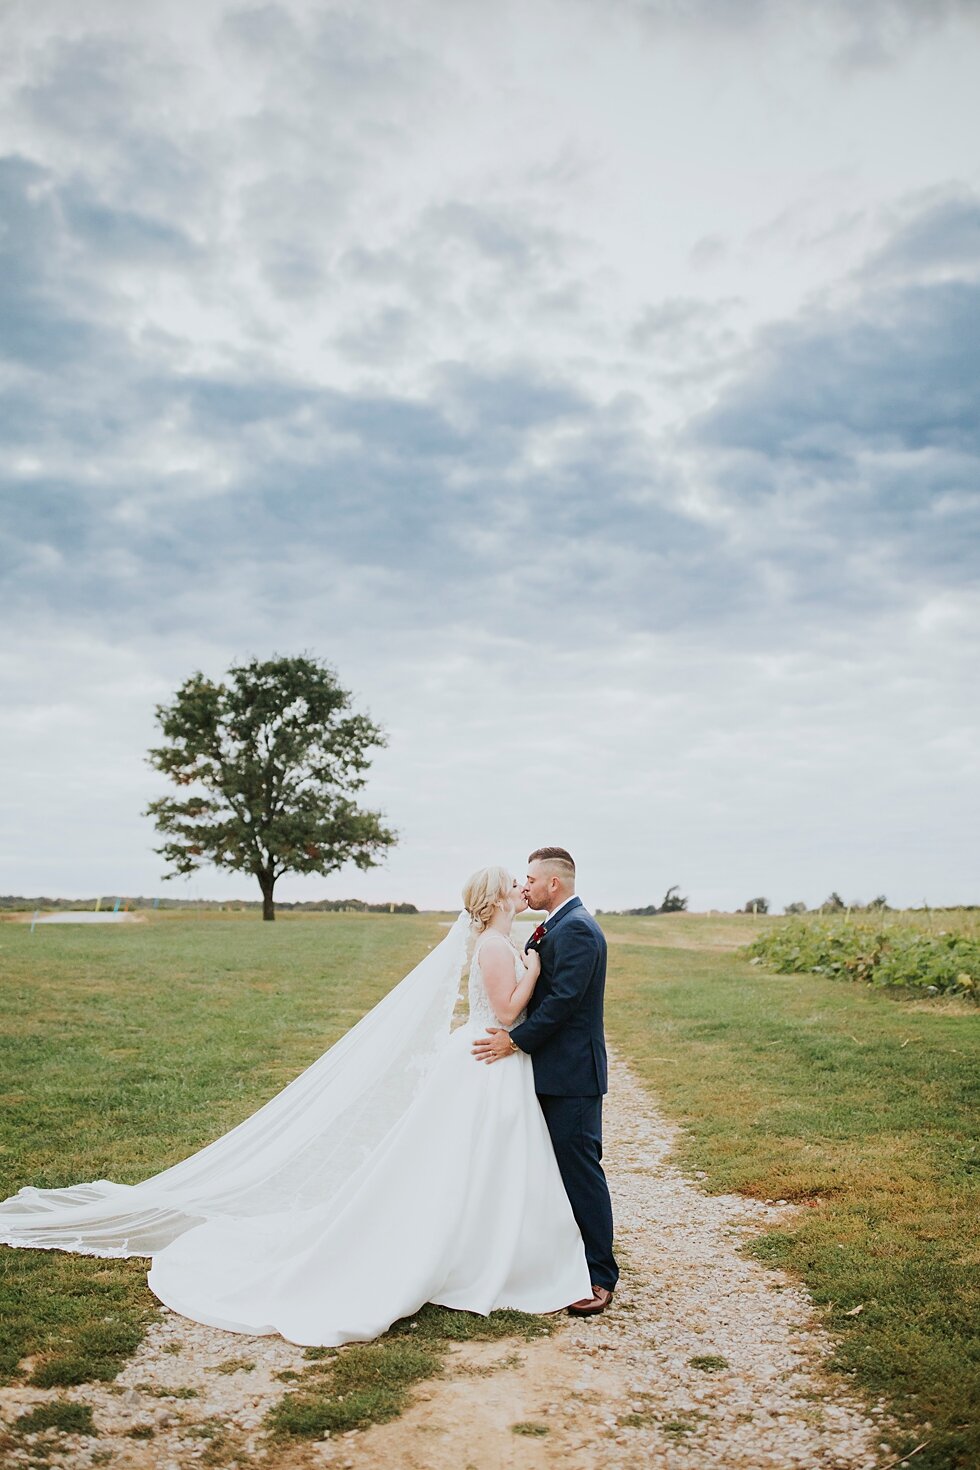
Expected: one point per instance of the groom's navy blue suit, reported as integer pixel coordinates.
(564, 1037)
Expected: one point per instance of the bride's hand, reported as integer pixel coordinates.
(532, 963)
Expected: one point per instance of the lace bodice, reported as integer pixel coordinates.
(481, 1011)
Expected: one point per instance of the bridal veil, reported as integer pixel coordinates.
(299, 1150)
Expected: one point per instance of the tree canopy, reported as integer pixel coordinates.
(673, 903)
(276, 757)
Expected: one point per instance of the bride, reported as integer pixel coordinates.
(394, 1171)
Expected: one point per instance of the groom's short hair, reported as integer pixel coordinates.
(558, 859)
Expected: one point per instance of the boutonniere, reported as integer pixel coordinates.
(537, 936)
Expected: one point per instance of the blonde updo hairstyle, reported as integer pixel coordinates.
(483, 893)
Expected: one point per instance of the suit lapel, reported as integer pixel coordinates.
(538, 994)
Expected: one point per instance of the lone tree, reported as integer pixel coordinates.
(672, 901)
(756, 906)
(279, 757)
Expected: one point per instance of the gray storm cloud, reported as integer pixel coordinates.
(320, 334)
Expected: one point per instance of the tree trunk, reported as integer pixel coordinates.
(267, 883)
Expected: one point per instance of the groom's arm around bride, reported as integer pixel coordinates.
(563, 1035)
(563, 1032)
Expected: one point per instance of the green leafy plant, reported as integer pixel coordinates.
(899, 956)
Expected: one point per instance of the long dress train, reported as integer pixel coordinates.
(462, 1205)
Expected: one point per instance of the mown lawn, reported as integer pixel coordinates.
(122, 1049)
(861, 1106)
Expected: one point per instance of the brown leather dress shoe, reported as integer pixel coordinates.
(591, 1306)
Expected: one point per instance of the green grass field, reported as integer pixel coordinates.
(859, 1104)
(122, 1049)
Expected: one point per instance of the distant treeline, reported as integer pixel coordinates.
(319, 905)
(671, 903)
(761, 906)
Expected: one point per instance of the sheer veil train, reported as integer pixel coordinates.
(300, 1150)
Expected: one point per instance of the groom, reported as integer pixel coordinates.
(563, 1035)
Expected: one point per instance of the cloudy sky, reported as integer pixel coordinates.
(594, 384)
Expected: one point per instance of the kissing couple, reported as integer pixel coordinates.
(410, 1163)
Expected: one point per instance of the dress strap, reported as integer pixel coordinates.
(486, 935)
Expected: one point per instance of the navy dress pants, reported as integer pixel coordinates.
(575, 1125)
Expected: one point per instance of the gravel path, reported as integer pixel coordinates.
(611, 1393)
(687, 1294)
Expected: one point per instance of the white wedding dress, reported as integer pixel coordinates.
(357, 1194)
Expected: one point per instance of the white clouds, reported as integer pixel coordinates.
(597, 394)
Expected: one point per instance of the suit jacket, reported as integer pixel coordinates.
(563, 1031)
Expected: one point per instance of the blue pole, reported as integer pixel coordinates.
(34, 920)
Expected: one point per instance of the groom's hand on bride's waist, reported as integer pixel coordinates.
(494, 1046)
